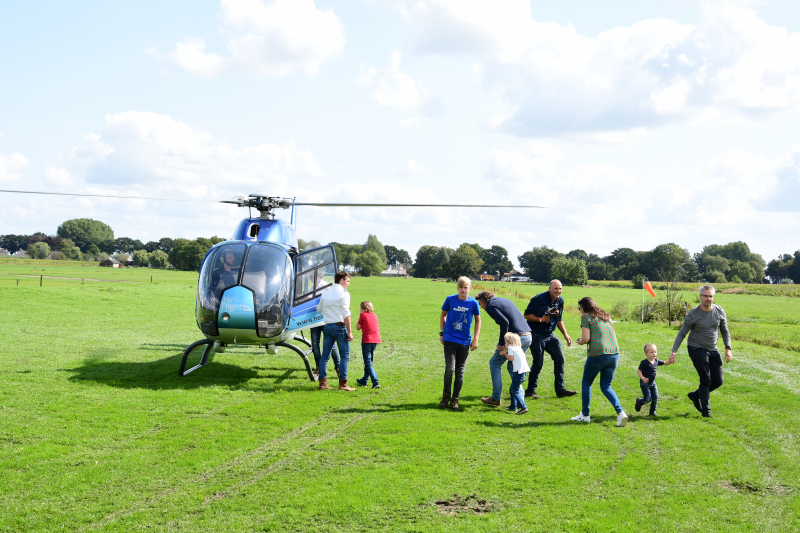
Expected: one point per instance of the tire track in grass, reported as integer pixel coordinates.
(255, 465)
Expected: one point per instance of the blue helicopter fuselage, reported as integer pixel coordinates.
(257, 289)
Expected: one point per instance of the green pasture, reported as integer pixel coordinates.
(98, 432)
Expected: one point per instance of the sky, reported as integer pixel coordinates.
(634, 123)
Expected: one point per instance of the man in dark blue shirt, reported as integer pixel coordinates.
(544, 316)
(509, 318)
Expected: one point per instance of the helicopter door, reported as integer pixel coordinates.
(314, 272)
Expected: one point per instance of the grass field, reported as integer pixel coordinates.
(98, 432)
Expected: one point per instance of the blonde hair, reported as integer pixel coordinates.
(366, 305)
(649, 346)
(463, 281)
(512, 339)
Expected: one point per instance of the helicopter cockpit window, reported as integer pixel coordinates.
(220, 271)
(268, 273)
(315, 272)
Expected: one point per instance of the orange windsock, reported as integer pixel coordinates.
(650, 289)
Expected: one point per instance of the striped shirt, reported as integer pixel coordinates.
(602, 340)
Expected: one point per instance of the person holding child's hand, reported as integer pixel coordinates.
(647, 378)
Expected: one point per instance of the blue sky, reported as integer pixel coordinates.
(636, 123)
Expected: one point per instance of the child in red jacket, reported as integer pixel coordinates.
(370, 337)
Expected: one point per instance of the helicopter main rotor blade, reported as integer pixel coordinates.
(413, 205)
(121, 196)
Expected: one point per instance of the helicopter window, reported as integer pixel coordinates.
(268, 273)
(315, 272)
(254, 229)
(220, 270)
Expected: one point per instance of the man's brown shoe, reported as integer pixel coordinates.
(532, 394)
(343, 385)
(564, 393)
(445, 401)
(454, 404)
(489, 401)
(323, 384)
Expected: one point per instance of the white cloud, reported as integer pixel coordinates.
(650, 73)
(10, 165)
(393, 87)
(282, 38)
(146, 151)
(409, 124)
(58, 177)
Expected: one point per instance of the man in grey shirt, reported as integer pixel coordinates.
(704, 322)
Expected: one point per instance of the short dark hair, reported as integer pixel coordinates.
(340, 276)
(485, 296)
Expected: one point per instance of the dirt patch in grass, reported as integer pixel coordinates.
(742, 487)
(470, 504)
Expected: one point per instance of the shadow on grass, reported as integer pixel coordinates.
(163, 374)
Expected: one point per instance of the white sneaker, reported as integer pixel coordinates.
(622, 419)
(581, 418)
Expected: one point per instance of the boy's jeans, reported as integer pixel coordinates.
(496, 367)
(368, 352)
(649, 393)
(515, 390)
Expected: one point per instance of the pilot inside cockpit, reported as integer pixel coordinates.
(225, 276)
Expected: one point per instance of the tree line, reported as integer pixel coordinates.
(92, 240)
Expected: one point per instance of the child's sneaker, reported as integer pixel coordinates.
(639, 404)
(622, 419)
(581, 418)
(653, 413)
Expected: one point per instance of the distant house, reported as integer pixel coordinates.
(508, 276)
(110, 262)
(399, 271)
(3, 251)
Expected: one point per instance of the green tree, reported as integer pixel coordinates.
(423, 262)
(578, 254)
(395, 256)
(369, 263)
(158, 259)
(127, 245)
(462, 262)
(743, 271)
(670, 262)
(14, 243)
(307, 245)
(622, 257)
(538, 263)
(599, 270)
(374, 245)
(570, 271)
(439, 265)
(85, 232)
(39, 250)
(141, 258)
(75, 254)
(495, 260)
(165, 245)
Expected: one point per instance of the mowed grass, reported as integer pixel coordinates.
(98, 432)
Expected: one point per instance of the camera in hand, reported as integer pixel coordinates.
(553, 311)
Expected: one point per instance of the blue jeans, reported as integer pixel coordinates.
(334, 333)
(550, 344)
(368, 351)
(496, 368)
(605, 365)
(515, 390)
(316, 336)
(649, 394)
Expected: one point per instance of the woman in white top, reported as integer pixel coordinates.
(517, 368)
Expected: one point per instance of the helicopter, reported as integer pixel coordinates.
(258, 288)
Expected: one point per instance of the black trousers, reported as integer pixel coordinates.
(708, 364)
(455, 360)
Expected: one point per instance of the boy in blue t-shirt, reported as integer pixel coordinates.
(454, 324)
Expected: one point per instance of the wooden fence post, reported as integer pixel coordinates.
(40, 280)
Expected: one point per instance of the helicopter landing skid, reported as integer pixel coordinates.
(303, 354)
(203, 360)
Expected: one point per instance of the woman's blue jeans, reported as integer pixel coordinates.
(605, 365)
(368, 352)
(334, 333)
